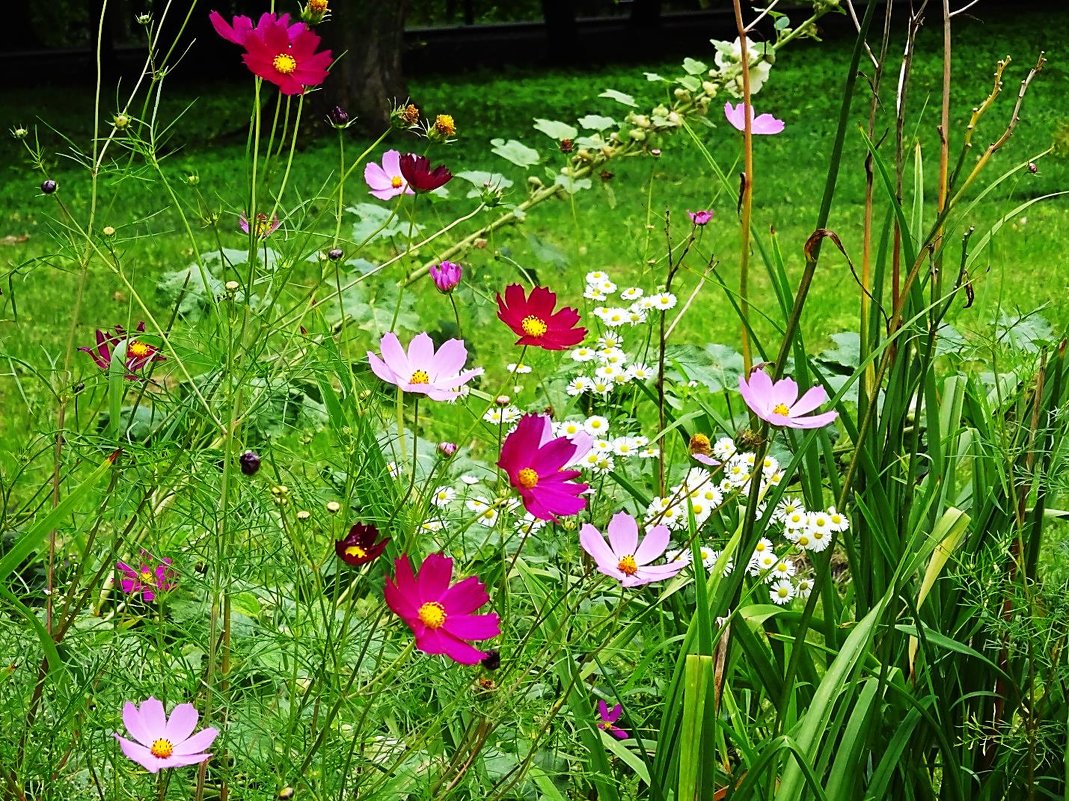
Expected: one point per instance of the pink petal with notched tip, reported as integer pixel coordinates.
(653, 545)
(809, 401)
(197, 743)
(473, 627)
(181, 724)
(623, 534)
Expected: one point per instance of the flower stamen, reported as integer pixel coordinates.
(162, 749)
(420, 377)
(534, 326)
(284, 63)
(432, 615)
(528, 478)
(781, 409)
(627, 565)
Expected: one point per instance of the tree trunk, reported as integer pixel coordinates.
(368, 79)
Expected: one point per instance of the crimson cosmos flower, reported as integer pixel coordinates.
(138, 354)
(417, 172)
(535, 462)
(441, 616)
(277, 51)
(533, 319)
(359, 547)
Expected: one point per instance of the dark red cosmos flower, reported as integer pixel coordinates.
(358, 547)
(532, 318)
(419, 175)
(278, 51)
(138, 354)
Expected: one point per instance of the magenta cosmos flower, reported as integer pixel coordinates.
(762, 124)
(624, 558)
(441, 616)
(437, 374)
(149, 580)
(277, 51)
(534, 321)
(535, 461)
(446, 276)
(138, 354)
(417, 171)
(385, 180)
(778, 403)
(700, 217)
(608, 718)
(162, 742)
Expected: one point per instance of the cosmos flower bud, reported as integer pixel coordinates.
(48, 186)
(446, 276)
(250, 462)
(405, 116)
(339, 118)
(447, 449)
(335, 254)
(492, 660)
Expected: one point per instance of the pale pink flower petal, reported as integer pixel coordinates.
(764, 124)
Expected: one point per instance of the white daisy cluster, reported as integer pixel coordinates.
(611, 366)
(606, 448)
(698, 492)
(503, 415)
(809, 530)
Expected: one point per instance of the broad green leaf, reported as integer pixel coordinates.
(380, 222)
(619, 97)
(694, 67)
(596, 122)
(516, 152)
(573, 185)
(555, 130)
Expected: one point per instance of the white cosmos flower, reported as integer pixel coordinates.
(782, 592)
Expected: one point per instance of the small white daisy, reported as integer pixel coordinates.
(837, 520)
(520, 369)
(782, 592)
(632, 293)
(803, 587)
(579, 385)
(649, 453)
(583, 354)
(593, 293)
(469, 479)
(639, 372)
(596, 425)
(443, 496)
(607, 341)
(724, 449)
(662, 301)
(612, 356)
(596, 277)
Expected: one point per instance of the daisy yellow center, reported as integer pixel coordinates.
(137, 349)
(396, 182)
(147, 577)
(355, 550)
(432, 615)
(528, 478)
(627, 565)
(534, 326)
(284, 63)
(782, 409)
(420, 377)
(162, 749)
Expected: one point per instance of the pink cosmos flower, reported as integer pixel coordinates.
(608, 720)
(701, 217)
(441, 616)
(624, 558)
(277, 51)
(152, 577)
(534, 320)
(535, 461)
(385, 181)
(264, 227)
(436, 374)
(779, 403)
(762, 124)
(162, 742)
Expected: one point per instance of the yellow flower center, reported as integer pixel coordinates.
(355, 550)
(534, 326)
(528, 478)
(284, 63)
(318, 6)
(432, 615)
(782, 409)
(263, 225)
(396, 182)
(419, 377)
(138, 349)
(627, 565)
(445, 125)
(147, 577)
(161, 749)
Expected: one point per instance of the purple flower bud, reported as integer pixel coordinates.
(338, 117)
(447, 449)
(492, 660)
(446, 276)
(49, 186)
(334, 254)
(250, 462)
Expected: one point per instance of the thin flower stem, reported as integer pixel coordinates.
(747, 188)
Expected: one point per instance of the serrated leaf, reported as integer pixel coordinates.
(619, 97)
(555, 130)
(573, 185)
(1024, 332)
(694, 67)
(516, 152)
(653, 77)
(597, 122)
(690, 83)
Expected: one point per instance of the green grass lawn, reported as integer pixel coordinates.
(616, 227)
